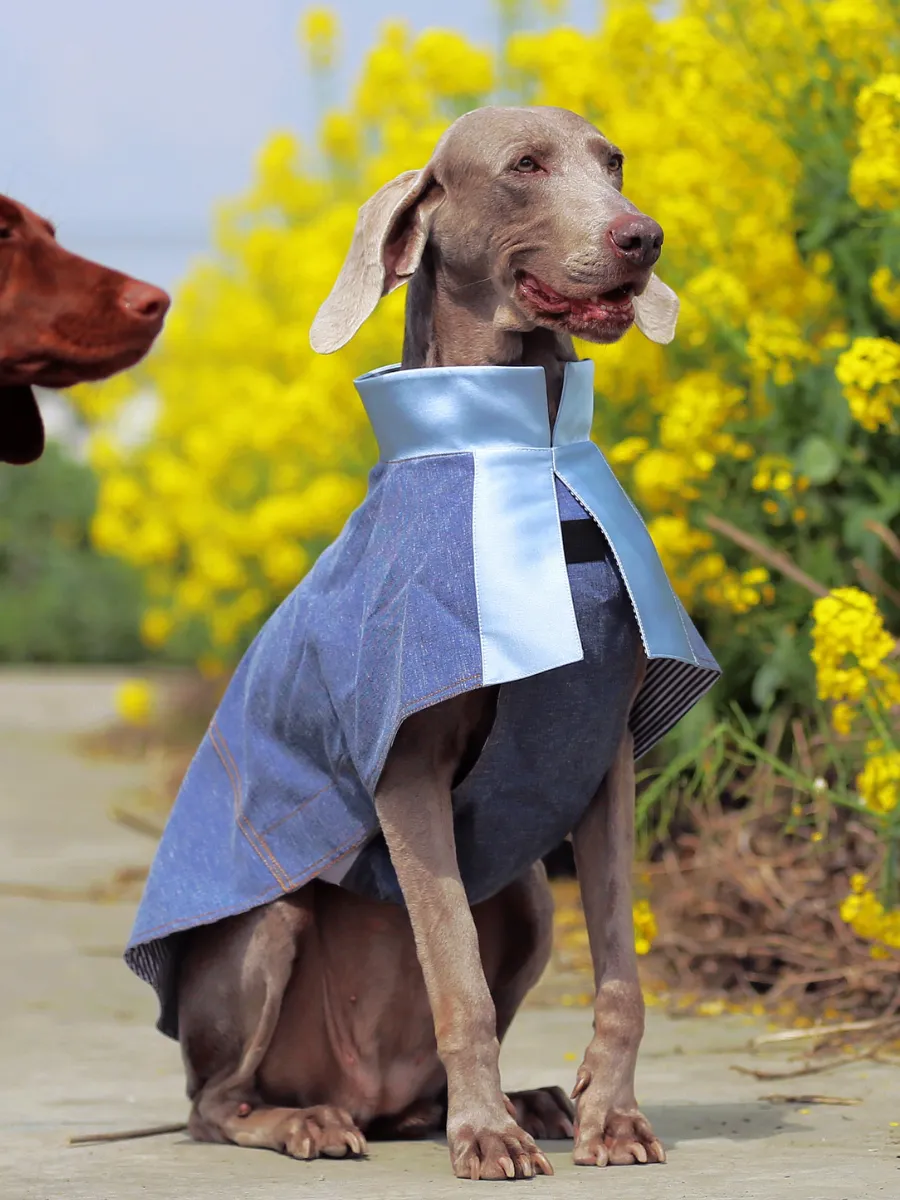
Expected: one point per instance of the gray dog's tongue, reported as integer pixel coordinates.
(21, 427)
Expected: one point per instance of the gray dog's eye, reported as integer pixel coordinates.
(616, 162)
(526, 164)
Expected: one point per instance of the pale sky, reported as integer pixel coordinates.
(124, 122)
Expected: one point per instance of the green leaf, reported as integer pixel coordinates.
(818, 459)
(766, 683)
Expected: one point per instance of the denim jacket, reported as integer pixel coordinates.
(450, 576)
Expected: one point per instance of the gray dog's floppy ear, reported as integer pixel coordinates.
(388, 242)
(656, 311)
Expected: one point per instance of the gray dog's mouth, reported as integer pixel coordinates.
(608, 313)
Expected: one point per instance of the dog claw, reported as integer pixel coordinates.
(504, 1152)
(356, 1143)
(613, 1137)
(544, 1163)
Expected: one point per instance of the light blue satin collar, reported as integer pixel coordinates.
(499, 416)
(446, 410)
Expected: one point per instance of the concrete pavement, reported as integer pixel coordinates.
(79, 1052)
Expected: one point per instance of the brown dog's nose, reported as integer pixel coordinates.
(144, 301)
(637, 238)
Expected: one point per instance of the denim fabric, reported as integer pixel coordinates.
(554, 738)
(390, 620)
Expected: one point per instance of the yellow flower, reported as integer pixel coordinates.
(645, 927)
(755, 576)
(135, 701)
(886, 290)
(850, 646)
(870, 374)
(624, 453)
(875, 172)
(284, 563)
(868, 918)
(842, 716)
(156, 627)
(879, 780)
(319, 31)
(776, 346)
(340, 137)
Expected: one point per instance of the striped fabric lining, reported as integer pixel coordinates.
(670, 689)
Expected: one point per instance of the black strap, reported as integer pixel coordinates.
(582, 541)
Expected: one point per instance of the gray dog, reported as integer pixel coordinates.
(311, 1010)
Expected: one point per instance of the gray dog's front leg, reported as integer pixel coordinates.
(610, 1129)
(414, 808)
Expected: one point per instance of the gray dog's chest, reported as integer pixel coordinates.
(553, 740)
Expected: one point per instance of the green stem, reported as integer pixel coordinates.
(889, 886)
(797, 778)
(874, 710)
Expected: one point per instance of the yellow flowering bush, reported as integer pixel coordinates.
(762, 134)
(854, 659)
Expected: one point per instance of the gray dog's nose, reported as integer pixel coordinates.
(637, 238)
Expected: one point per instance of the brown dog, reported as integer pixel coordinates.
(320, 1017)
(63, 320)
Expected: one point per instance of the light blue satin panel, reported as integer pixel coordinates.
(525, 605)
(453, 410)
(499, 415)
(665, 629)
(576, 405)
(587, 474)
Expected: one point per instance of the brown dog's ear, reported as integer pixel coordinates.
(21, 427)
(387, 246)
(656, 311)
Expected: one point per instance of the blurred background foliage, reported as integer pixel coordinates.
(60, 600)
(762, 135)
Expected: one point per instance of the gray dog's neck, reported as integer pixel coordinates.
(456, 326)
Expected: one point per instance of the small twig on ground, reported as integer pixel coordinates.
(132, 820)
(818, 1031)
(811, 1098)
(810, 1068)
(126, 1135)
(773, 558)
(118, 888)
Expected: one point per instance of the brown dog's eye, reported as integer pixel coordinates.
(616, 163)
(526, 165)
